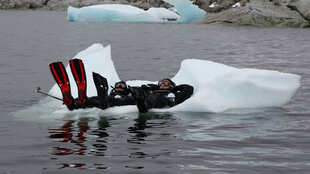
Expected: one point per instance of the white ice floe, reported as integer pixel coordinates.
(97, 59)
(188, 11)
(183, 11)
(162, 13)
(217, 87)
(119, 13)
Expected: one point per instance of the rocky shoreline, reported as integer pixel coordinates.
(61, 5)
(271, 13)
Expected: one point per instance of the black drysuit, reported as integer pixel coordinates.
(152, 96)
(103, 100)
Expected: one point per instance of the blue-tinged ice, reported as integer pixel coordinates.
(184, 11)
(111, 13)
(223, 88)
(187, 10)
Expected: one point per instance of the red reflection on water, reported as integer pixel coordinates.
(65, 134)
(62, 151)
(74, 165)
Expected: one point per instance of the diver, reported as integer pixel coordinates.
(118, 96)
(165, 94)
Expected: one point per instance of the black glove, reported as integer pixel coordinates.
(145, 87)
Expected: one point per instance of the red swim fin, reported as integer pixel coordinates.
(61, 77)
(78, 72)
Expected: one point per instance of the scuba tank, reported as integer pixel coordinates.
(171, 98)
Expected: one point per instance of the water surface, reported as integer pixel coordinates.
(269, 140)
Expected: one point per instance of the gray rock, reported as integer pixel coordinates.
(60, 5)
(222, 5)
(63, 4)
(25, 4)
(302, 6)
(258, 15)
(145, 5)
(226, 4)
(268, 2)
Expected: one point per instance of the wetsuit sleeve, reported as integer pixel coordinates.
(153, 86)
(121, 100)
(182, 92)
(149, 87)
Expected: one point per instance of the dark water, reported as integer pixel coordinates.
(270, 140)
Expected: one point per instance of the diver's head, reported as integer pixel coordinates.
(120, 86)
(166, 84)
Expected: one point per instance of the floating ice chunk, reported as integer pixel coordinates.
(126, 13)
(188, 11)
(162, 13)
(220, 87)
(119, 13)
(97, 59)
(217, 87)
(118, 7)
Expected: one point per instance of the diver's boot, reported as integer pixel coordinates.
(140, 96)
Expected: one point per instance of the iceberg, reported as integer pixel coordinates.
(187, 10)
(97, 59)
(119, 13)
(127, 13)
(217, 87)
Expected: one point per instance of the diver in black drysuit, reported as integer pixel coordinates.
(119, 96)
(165, 94)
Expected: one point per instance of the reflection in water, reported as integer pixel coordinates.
(148, 126)
(75, 165)
(137, 131)
(76, 135)
(135, 167)
(82, 166)
(65, 134)
(83, 137)
(100, 147)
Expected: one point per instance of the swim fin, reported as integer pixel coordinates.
(78, 72)
(61, 77)
(102, 87)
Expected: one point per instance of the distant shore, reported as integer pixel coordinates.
(62, 5)
(270, 13)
